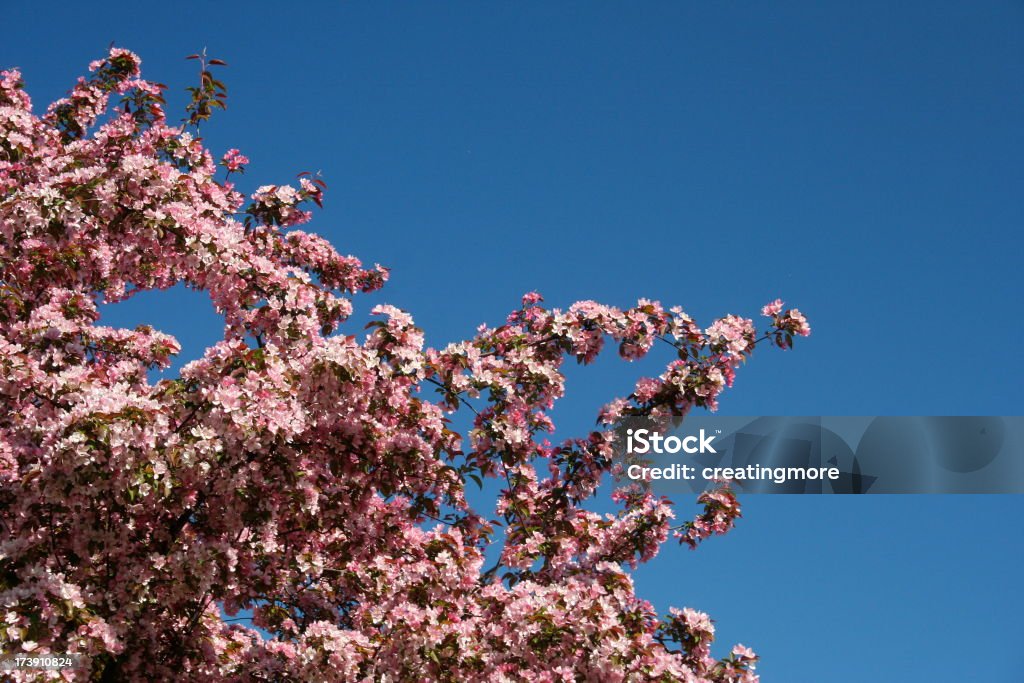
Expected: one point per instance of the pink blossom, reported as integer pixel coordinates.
(772, 309)
(532, 298)
(311, 474)
(234, 160)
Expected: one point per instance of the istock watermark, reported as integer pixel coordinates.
(647, 441)
(825, 455)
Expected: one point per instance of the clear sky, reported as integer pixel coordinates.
(862, 160)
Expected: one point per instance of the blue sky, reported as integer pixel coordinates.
(860, 160)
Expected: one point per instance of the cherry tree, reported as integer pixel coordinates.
(310, 478)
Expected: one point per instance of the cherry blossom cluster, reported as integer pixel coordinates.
(786, 323)
(721, 510)
(234, 160)
(292, 506)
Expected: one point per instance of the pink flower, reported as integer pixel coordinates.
(797, 323)
(743, 652)
(612, 411)
(772, 309)
(531, 299)
(234, 160)
(646, 389)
